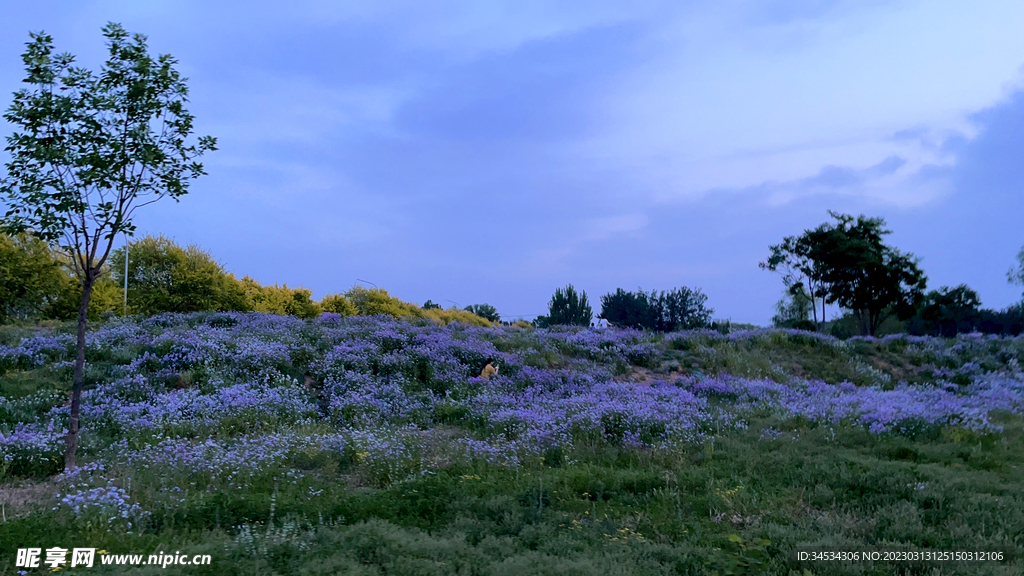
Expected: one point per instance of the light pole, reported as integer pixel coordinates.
(453, 302)
(368, 282)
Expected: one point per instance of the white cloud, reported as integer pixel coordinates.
(729, 105)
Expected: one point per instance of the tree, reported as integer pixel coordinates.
(677, 309)
(794, 310)
(627, 309)
(164, 277)
(431, 305)
(948, 312)
(484, 311)
(567, 307)
(1009, 321)
(1016, 274)
(683, 309)
(106, 297)
(800, 261)
(30, 277)
(862, 274)
(847, 263)
(89, 149)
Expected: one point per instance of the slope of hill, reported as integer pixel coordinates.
(371, 446)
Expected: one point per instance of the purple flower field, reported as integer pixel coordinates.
(204, 403)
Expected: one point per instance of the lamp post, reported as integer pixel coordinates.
(368, 282)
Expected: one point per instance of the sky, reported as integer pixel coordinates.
(490, 152)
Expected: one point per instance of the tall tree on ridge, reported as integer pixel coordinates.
(88, 149)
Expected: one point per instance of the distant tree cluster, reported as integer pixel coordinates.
(162, 276)
(846, 263)
(678, 309)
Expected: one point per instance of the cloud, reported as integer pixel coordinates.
(492, 151)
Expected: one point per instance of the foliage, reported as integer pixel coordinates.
(455, 315)
(847, 263)
(431, 305)
(376, 301)
(279, 299)
(567, 307)
(1016, 274)
(677, 309)
(1009, 321)
(802, 263)
(30, 276)
(795, 309)
(88, 150)
(107, 298)
(866, 276)
(947, 312)
(164, 277)
(484, 311)
(338, 304)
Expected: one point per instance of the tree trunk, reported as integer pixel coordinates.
(814, 305)
(79, 378)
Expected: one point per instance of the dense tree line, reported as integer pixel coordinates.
(677, 309)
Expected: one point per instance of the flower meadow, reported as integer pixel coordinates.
(371, 445)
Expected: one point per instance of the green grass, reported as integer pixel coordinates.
(614, 514)
(740, 503)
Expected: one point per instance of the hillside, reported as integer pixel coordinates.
(368, 445)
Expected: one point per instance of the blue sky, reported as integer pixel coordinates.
(492, 151)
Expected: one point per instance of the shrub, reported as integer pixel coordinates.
(338, 304)
(280, 299)
(164, 277)
(31, 276)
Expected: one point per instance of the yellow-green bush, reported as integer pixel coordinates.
(164, 277)
(106, 296)
(280, 299)
(455, 315)
(338, 304)
(370, 302)
(30, 276)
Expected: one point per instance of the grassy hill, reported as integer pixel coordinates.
(370, 446)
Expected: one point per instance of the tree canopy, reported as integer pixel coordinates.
(848, 264)
(31, 277)
(164, 277)
(484, 311)
(89, 149)
(948, 311)
(677, 309)
(567, 307)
